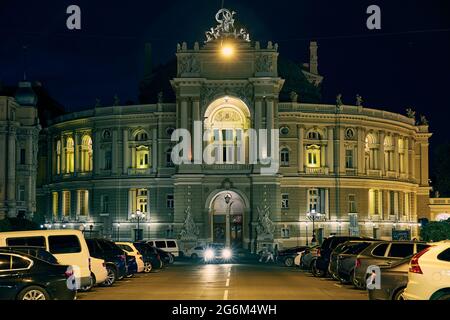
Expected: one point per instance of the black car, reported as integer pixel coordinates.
(37, 252)
(287, 256)
(114, 257)
(150, 255)
(320, 267)
(332, 266)
(346, 260)
(25, 277)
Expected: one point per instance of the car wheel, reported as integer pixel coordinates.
(194, 256)
(399, 295)
(148, 267)
(316, 272)
(443, 296)
(111, 277)
(33, 293)
(289, 262)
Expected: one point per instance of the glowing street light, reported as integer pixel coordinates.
(138, 216)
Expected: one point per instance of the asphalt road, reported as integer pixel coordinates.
(196, 281)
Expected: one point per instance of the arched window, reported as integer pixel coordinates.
(141, 136)
(70, 168)
(313, 156)
(371, 152)
(58, 157)
(314, 135)
(86, 154)
(284, 157)
(388, 154)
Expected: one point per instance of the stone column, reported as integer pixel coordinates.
(381, 137)
(361, 151)
(96, 146)
(63, 155)
(341, 151)
(300, 149)
(155, 150)
(330, 149)
(130, 202)
(424, 163)
(115, 153)
(125, 151)
(184, 114)
(396, 154)
(269, 125)
(257, 124)
(406, 157)
(76, 152)
(11, 178)
(197, 149)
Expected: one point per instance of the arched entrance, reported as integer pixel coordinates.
(227, 210)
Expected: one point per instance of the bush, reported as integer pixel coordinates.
(436, 231)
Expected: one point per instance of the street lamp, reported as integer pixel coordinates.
(314, 216)
(340, 227)
(138, 216)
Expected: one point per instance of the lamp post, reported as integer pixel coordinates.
(118, 232)
(91, 227)
(138, 216)
(314, 216)
(340, 227)
(307, 240)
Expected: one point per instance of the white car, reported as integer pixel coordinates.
(196, 252)
(429, 274)
(131, 250)
(99, 271)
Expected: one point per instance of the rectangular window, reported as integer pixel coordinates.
(170, 201)
(64, 244)
(21, 196)
(27, 241)
(142, 200)
(285, 201)
(55, 204)
(105, 204)
(314, 201)
(352, 203)
(66, 203)
(108, 160)
(349, 159)
(22, 156)
(83, 202)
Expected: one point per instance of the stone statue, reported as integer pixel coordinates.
(190, 230)
(226, 27)
(410, 113)
(423, 120)
(359, 100)
(116, 100)
(339, 102)
(294, 96)
(160, 97)
(265, 226)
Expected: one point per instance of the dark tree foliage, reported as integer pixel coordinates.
(17, 224)
(296, 81)
(441, 164)
(436, 231)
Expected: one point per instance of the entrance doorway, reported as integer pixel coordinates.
(227, 219)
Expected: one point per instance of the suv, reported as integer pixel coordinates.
(168, 245)
(320, 267)
(383, 253)
(115, 258)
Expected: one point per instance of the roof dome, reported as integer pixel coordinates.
(25, 95)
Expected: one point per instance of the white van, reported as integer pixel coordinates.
(167, 245)
(68, 246)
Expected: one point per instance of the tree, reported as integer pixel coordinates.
(436, 231)
(17, 224)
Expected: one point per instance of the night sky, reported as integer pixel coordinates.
(407, 63)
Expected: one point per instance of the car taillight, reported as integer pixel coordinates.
(414, 266)
(104, 265)
(68, 273)
(318, 252)
(357, 263)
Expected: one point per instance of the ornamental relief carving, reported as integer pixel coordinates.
(209, 93)
(228, 116)
(264, 63)
(188, 64)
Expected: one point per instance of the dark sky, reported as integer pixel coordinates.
(407, 63)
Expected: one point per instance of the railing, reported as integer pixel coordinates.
(228, 167)
(137, 172)
(317, 171)
(374, 173)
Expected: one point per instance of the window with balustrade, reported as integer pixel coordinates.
(86, 154)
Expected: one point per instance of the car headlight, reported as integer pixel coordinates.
(209, 254)
(227, 254)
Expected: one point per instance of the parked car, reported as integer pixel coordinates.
(152, 259)
(393, 281)
(383, 253)
(346, 260)
(287, 256)
(68, 246)
(37, 252)
(99, 272)
(114, 257)
(308, 257)
(132, 266)
(332, 266)
(320, 266)
(168, 245)
(429, 274)
(131, 250)
(197, 252)
(25, 277)
(166, 257)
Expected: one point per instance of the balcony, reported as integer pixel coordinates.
(317, 171)
(139, 172)
(374, 173)
(391, 174)
(350, 172)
